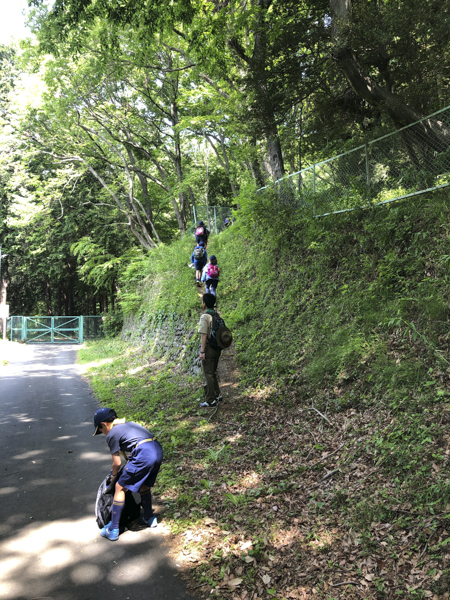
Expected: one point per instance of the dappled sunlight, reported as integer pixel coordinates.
(85, 574)
(138, 369)
(250, 480)
(233, 438)
(92, 456)
(12, 351)
(23, 418)
(323, 539)
(30, 454)
(39, 553)
(8, 490)
(204, 427)
(84, 368)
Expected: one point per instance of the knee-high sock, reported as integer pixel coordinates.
(117, 509)
(146, 501)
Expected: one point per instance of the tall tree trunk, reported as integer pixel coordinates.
(183, 200)
(48, 299)
(275, 154)
(71, 302)
(66, 303)
(257, 65)
(4, 285)
(59, 306)
(255, 166)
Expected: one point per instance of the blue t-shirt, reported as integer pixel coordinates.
(125, 436)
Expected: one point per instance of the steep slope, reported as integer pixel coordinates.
(326, 473)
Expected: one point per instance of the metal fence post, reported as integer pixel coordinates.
(52, 324)
(367, 170)
(24, 328)
(215, 220)
(195, 216)
(80, 329)
(314, 189)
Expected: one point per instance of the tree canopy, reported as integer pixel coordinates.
(141, 110)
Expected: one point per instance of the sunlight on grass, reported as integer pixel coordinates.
(234, 438)
(146, 366)
(95, 364)
(323, 539)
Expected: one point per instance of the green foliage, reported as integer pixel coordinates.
(333, 302)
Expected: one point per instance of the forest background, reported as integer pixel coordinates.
(117, 120)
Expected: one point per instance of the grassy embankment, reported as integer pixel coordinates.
(333, 462)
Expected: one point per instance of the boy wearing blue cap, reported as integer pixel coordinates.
(139, 474)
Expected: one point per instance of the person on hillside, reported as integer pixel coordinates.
(210, 275)
(212, 342)
(199, 258)
(202, 233)
(145, 455)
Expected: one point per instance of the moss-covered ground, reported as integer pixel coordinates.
(327, 473)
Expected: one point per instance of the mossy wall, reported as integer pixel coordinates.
(172, 338)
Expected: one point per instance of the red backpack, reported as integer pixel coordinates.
(213, 271)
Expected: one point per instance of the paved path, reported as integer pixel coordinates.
(51, 467)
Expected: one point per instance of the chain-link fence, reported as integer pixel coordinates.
(407, 162)
(214, 217)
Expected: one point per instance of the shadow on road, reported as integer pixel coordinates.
(52, 466)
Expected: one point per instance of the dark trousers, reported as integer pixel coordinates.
(210, 372)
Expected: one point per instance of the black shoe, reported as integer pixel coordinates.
(219, 398)
(209, 404)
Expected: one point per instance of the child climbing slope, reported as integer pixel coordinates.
(210, 275)
(198, 259)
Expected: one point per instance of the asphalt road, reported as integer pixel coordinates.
(51, 467)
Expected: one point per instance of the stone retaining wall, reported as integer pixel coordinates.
(171, 337)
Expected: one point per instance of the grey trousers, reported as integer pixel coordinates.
(210, 365)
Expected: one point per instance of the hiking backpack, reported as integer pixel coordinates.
(217, 322)
(213, 271)
(199, 253)
(199, 231)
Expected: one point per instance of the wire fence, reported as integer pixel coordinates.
(214, 217)
(405, 163)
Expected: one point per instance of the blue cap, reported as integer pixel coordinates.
(102, 415)
(201, 243)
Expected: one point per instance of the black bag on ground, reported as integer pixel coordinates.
(103, 504)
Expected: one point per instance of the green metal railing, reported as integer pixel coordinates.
(54, 330)
(405, 163)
